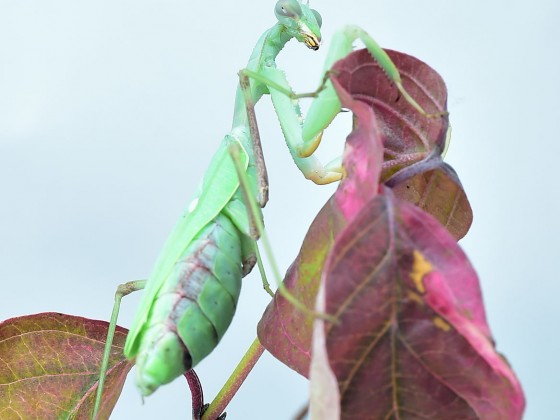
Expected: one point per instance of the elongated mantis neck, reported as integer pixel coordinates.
(265, 52)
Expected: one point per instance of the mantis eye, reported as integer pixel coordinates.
(288, 9)
(318, 17)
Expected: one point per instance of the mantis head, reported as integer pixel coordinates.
(300, 21)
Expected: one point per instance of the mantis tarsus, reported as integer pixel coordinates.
(191, 294)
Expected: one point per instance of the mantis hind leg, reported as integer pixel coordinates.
(122, 290)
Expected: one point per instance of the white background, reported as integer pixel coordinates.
(111, 110)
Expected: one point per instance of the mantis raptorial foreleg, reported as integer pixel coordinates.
(289, 115)
(290, 119)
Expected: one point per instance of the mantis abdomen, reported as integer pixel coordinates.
(194, 307)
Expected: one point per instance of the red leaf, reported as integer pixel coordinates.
(412, 338)
(438, 192)
(413, 144)
(49, 366)
(412, 335)
(408, 136)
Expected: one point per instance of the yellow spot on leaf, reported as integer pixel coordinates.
(441, 324)
(416, 298)
(420, 267)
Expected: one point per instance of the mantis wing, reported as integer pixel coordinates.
(219, 185)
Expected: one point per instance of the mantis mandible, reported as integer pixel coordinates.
(191, 294)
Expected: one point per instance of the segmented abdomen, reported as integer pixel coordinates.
(194, 307)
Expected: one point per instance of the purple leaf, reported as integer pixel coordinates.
(413, 144)
(412, 335)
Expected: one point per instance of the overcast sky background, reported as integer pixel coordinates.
(111, 110)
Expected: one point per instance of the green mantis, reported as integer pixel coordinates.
(191, 294)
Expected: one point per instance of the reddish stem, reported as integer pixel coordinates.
(196, 393)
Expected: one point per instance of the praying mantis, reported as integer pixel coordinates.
(191, 294)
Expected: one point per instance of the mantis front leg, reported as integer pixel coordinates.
(286, 105)
(289, 114)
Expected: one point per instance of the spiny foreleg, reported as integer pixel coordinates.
(289, 115)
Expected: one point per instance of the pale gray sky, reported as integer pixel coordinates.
(110, 112)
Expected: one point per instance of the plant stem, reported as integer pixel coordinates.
(234, 382)
(196, 393)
